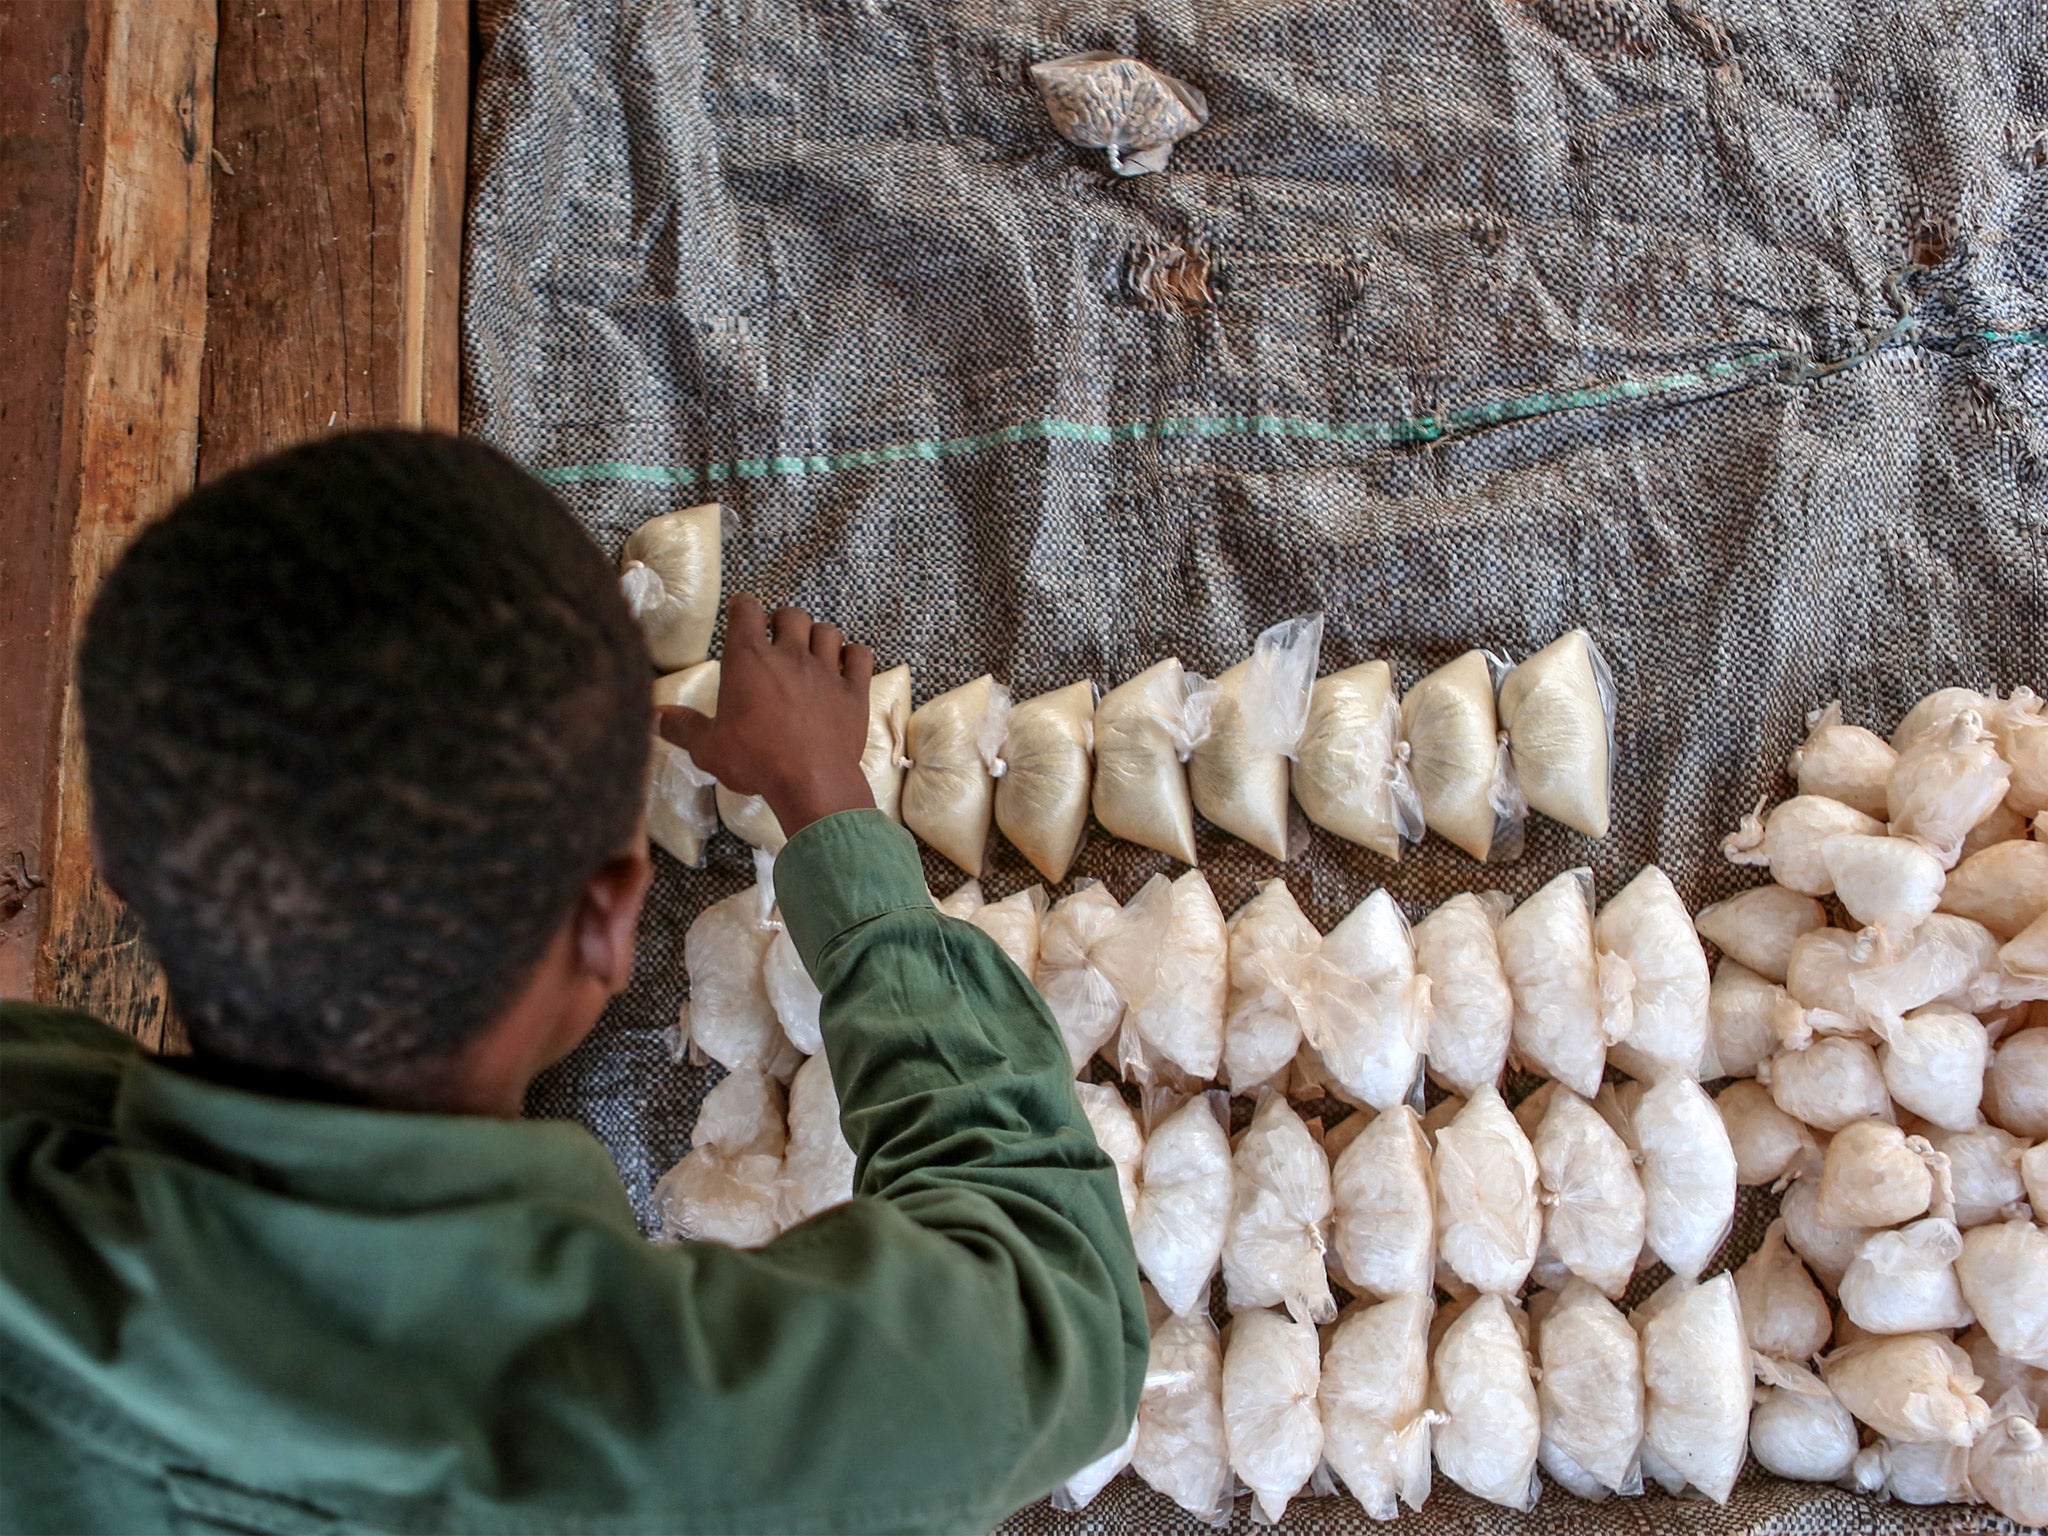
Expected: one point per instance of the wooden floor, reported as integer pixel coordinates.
(226, 227)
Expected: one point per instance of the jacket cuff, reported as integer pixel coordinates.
(840, 872)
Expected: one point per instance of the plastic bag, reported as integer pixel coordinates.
(1915, 1387)
(1015, 922)
(1273, 949)
(2016, 1085)
(1758, 928)
(1351, 771)
(1558, 710)
(2001, 1374)
(670, 573)
(1905, 1281)
(2034, 1174)
(1888, 883)
(1590, 1390)
(1984, 1173)
(1384, 1206)
(1463, 773)
(793, 995)
(1828, 1084)
(682, 805)
(1594, 1210)
(2003, 1270)
(1769, 1145)
(1238, 775)
(1933, 1062)
(2001, 826)
(1183, 1449)
(1471, 1013)
(1564, 1016)
(1933, 715)
(2004, 886)
(1279, 1217)
(1875, 1175)
(1784, 1314)
(1185, 1192)
(1177, 1028)
(1374, 1403)
(1079, 1491)
(1370, 1017)
(1843, 762)
(1797, 1428)
(818, 1165)
(728, 1187)
(882, 760)
(1944, 784)
(1042, 798)
(1108, 102)
(1828, 1250)
(1913, 1472)
(1272, 1371)
(1095, 956)
(1696, 1385)
(732, 1022)
(954, 744)
(2009, 1463)
(2020, 726)
(1489, 1220)
(1145, 730)
(1490, 1428)
(1116, 1132)
(1645, 926)
(1788, 841)
(1688, 1170)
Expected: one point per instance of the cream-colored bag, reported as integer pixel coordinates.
(1042, 797)
(670, 573)
(955, 749)
(1145, 731)
(682, 803)
(1558, 710)
(1351, 773)
(728, 1187)
(1463, 773)
(882, 760)
(1238, 775)
(1843, 762)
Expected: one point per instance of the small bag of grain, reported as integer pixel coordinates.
(1758, 928)
(1374, 1403)
(1490, 1425)
(1042, 798)
(1783, 1312)
(1471, 1012)
(1351, 772)
(1489, 1220)
(1238, 775)
(1185, 1192)
(1272, 1369)
(1696, 1385)
(1910, 1386)
(1145, 731)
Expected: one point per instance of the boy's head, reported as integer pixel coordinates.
(368, 726)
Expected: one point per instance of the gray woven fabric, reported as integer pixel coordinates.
(1722, 331)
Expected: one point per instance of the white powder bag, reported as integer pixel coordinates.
(731, 1020)
(1769, 1145)
(1351, 771)
(728, 1187)
(793, 995)
(1564, 1017)
(1696, 1386)
(1645, 926)
(1933, 1062)
(1384, 1206)
(1590, 1390)
(1471, 1012)
(1910, 1386)
(1889, 883)
(1116, 1132)
(1788, 841)
(1828, 1250)
(2009, 1463)
(1783, 1312)
(1182, 1449)
(670, 572)
(1176, 1030)
(1984, 1173)
(1374, 1402)
(1185, 1191)
(1279, 1217)
(1797, 1429)
(818, 1165)
(1272, 1370)
(1944, 784)
(1742, 1012)
(2016, 1084)
(2004, 886)
(1490, 1425)
(1905, 1281)
(1096, 956)
(1592, 1198)
(1828, 1084)
(1843, 762)
(1875, 1175)
(1688, 1170)
(1273, 949)
(2003, 1269)
(1371, 1016)
(1489, 1220)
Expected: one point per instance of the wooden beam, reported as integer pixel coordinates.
(129, 428)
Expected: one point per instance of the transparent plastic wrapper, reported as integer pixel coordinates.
(2003, 1270)
(748, 818)
(1374, 1401)
(1384, 1207)
(1984, 1173)
(1145, 731)
(1828, 1250)
(817, 1166)
(1742, 1013)
(1843, 762)
(1688, 1169)
(1848, 983)
(1370, 1021)
(1273, 953)
(1944, 784)
(1828, 1084)
(1490, 1426)
(2001, 826)
(2009, 1463)
(1758, 928)
(1888, 883)
(670, 571)
(1567, 1011)
(1933, 1062)
(2004, 886)
(682, 802)
(728, 1187)
(954, 744)
(1238, 775)
(1784, 1314)
(1176, 1031)
(1915, 1387)
(1272, 1371)
(1797, 1429)
(1875, 1175)
(1129, 109)
(1905, 1281)
(1015, 922)
(793, 995)
(1079, 1491)
(882, 760)
(1788, 841)
(1594, 1209)
(1439, 1115)
(1933, 715)
(1645, 927)
(1116, 1132)
(1471, 1011)
(2023, 963)
(1279, 1217)
(2034, 1174)
(1042, 798)
(1590, 1391)
(2016, 1085)
(2002, 1374)
(1769, 1145)
(731, 1020)
(1489, 1220)
(1185, 1192)
(1459, 758)
(1913, 1472)
(1696, 1386)
(1182, 1449)
(1351, 772)
(2020, 727)
(1095, 956)
(1558, 710)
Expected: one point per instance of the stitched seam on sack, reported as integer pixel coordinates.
(1395, 432)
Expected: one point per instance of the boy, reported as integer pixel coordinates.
(368, 729)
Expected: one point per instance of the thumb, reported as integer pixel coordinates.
(681, 727)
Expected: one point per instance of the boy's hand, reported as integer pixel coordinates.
(792, 716)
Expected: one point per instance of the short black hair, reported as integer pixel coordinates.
(361, 720)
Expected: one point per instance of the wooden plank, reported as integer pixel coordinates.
(437, 97)
(42, 116)
(130, 425)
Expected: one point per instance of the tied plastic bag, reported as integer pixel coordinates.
(2016, 1084)
(792, 993)
(1183, 1449)
(1130, 110)
(1828, 1084)
(1913, 1472)
(1887, 883)
(2002, 1269)
(1911, 1387)
(1933, 1062)
(2004, 886)
(1875, 1175)
(882, 760)
(1984, 1165)
(731, 1020)
(1864, 978)
(1645, 927)
(1758, 928)
(2009, 1462)
(1459, 757)
(1788, 841)
(2002, 1375)
(1116, 1132)
(1590, 1392)
(1489, 1221)
(1784, 1313)
(1905, 1281)
(1238, 775)
(1592, 1198)
(1843, 762)
(1696, 1385)
(1145, 731)
(1272, 1371)
(1370, 1017)
(1769, 1145)
(2020, 727)
(682, 806)
(1176, 1030)
(1042, 797)
(1568, 1008)
(1374, 1399)
(1351, 773)
(1095, 956)
(1743, 1010)
(1185, 1193)
(1558, 710)
(1933, 715)
(1828, 1250)
(1688, 1171)
(748, 818)
(1797, 1428)
(1490, 1425)
(728, 1187)
(1279, 1217)
(1384, 1194)
(955, 749)
(1471, 1012)
(1079, 1491)
(818, 1165)
(670, 572)
(1273, 953)
(1015, 922)
(1945, 783)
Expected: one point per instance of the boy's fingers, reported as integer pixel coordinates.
(681, 727)
(746, 621)
(793, 626)
(827, 643)
(857, 662)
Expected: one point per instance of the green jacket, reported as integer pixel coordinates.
(222, 1311)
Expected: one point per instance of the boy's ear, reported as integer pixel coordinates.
(608, 915)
